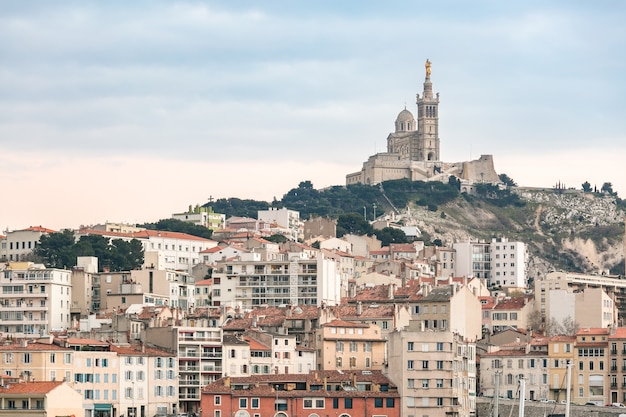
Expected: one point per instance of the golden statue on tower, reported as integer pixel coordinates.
(427, 65)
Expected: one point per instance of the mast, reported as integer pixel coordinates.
(522, 396)
(568, 382)
(496, 395)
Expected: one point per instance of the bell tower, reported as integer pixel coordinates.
(426, 147)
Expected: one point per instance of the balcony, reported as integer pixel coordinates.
(614, 368)
(613, 351)
(189, 382)
(211, 369)
(614, 385)
(189, 396)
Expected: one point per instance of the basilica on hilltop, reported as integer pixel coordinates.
(413, 150)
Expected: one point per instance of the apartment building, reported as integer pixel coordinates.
(17, 245)
(590, 373)
(561, 354)
(617, 370)
(511, 312)
(319, 393)
(348, 345)
(30, 360)
(39, 399)
(501, 262)
(590, 300)
(435, 372)
(294, 279)
(514, 361)
(197, 339)
(34, 300)
(284, 218)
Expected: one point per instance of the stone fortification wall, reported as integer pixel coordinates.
(480, 170)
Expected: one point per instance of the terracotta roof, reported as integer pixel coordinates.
(39, 229)
(349, 312)
(620, 333)
(205, 282)
(511, 303)
(136, 350)
(592, 331)
(169, 235)
(15, 347)
(313, 378)
(256, 345)
(41, 387)
(81, 341)
(402, 247)
(342, 323)
(563, 339)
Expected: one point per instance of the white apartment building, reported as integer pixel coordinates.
(19, 243)
(148, 381)
(294, 279)
(34, 300)
(284, 218)
(508, 263)
(172, 250)
(501, 262)
(435, 372)
(198, 342)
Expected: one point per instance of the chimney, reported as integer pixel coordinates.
(390, 291)
(359, 308)
(227, 382)
(450, 280)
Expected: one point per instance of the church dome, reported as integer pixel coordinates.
(405, 122)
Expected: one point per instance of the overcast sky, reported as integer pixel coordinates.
(130, 111)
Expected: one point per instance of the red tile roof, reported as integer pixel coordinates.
(169, 235)
(39, 229)
(342, 323)
(136, 350)
(41, 387)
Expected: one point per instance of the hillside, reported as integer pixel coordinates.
(564, 229)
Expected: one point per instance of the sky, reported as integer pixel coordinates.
(130, 111)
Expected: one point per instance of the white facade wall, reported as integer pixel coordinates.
(508, 263)
(34, 300)
(288, 219)
(178, 254)
(20, 243)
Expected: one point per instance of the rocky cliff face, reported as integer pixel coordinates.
(563, 229)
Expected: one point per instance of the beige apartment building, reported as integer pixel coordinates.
(344, 345)
(561, 353)
(591, 370)
(39, 399)
(435, 372)
(36, 361)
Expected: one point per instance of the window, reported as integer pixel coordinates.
(26, 358)
(409, 364)
(354, 347)
(339, 362)
(390, 402)
(440, 383)
(378, 403)
(424, 383)
(410, 383)
(439, 346)
(424, 364)
(410, 346)
(217, 400)
(439, 401)
(347, 403)
(53, 358)
(352, 362)
(254, 403)
(339, 346)
(439, 364)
